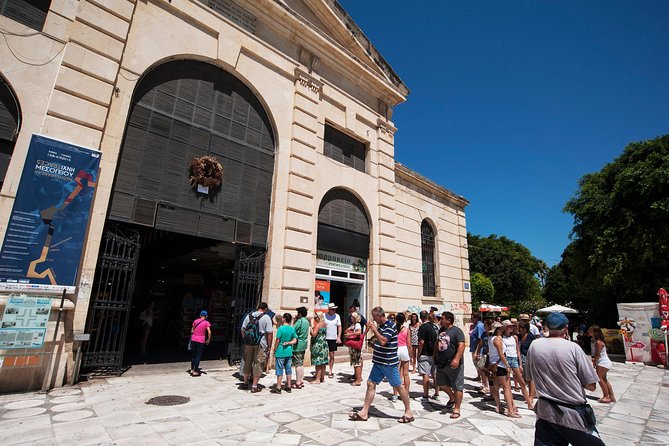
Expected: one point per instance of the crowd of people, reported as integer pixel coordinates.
(533, 357)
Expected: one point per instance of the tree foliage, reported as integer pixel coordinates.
(482, 290)
(620, 239)
(511, 268)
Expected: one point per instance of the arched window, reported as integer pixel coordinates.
(9, 127)
(427, 249)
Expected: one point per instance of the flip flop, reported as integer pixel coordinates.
(356, 385)
(355, 417)
(455, 415)
(404, 419)
(330, 375)
(450, 404)
(513, 415)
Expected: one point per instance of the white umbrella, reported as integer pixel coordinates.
(558, 309)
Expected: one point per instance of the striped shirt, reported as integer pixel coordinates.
(386, 354)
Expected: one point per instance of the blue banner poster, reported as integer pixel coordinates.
(47, 227)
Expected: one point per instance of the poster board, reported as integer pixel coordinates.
(45, 235)
(321, 295)
(642, 344)
(24, 322)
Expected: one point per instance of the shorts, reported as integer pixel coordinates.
(391, 372)
(403, 353)
(425, 365)
(356, 357)
(332, 345)
(284, 366)
(501, 371)
(254, 360)
(298, 359)
(453, 378)
(513, 362)
(605, 362)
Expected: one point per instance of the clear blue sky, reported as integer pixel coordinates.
(513, 101)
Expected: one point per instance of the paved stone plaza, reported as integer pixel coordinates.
(113, 411)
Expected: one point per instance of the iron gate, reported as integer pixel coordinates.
(111, 296)
(249, 271)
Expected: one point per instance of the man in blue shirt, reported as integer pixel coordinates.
(385, 362)
(475, 336)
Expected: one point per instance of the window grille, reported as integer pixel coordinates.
(427, 248)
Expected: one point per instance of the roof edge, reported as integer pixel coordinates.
(428, 185)
(367, 45)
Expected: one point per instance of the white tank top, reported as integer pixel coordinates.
(493, 354)
(510, 347)
(603, 356)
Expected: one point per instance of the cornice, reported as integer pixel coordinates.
(427, 186)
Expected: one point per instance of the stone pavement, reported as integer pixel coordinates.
(113, 411)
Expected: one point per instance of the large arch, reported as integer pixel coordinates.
(10, 124)
(343, 224)
(187, 108)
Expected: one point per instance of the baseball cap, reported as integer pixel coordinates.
(204, 313)
(556, 321)
(524, 317)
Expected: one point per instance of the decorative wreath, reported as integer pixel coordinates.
(206, 171)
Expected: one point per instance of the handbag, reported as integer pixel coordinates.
(482, 361)
(354, 343)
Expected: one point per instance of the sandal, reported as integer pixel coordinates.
(255, 389)
(513, 415)
(330, 375)
(450, 404)
(455, 415)
(356, 384)
(355, 417)
(274, 390)
(404, 419)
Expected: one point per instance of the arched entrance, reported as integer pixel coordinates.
(342, 251)
(194, 244)
(10, 122)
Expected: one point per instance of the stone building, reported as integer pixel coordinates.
(294, 102)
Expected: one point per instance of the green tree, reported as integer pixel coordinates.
(511, 268)
(620, 247)
(482, 290)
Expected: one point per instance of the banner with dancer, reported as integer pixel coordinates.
(47, 227)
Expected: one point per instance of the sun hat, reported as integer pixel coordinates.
(332, 306)
(524, 317)
(556, 321)
(494, 327)
(204, 313)
(506, 323)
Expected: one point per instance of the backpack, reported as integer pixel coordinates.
(252, 335)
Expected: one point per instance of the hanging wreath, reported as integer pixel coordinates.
(205, 171)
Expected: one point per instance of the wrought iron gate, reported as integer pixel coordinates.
(249, 270)
(111, 296)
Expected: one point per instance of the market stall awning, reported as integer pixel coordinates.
(558, 309)
(491, 307)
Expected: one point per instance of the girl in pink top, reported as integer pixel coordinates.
(402, 352)
(200, 334)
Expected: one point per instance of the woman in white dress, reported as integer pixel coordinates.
(602, 363)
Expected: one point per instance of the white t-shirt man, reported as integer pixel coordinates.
(331, 324)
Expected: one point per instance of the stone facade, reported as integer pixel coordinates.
(308, 64)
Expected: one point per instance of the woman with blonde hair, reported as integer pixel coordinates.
(352, 335)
